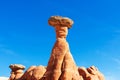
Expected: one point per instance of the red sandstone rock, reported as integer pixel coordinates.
(38, 72)
(12, 76)
(17, 71)
(28, 73)
(60, 21)
(61, 65)
(34, 73)
(90, 73)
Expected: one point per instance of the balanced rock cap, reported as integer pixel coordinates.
(61, 21)
(17, 66)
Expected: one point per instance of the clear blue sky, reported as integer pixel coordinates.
(26, 38)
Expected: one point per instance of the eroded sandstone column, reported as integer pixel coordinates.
(17, 71)
(61, 65)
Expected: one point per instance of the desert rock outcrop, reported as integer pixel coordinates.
(91, 73)
(61, 65)
(17, 71)
(34, 73)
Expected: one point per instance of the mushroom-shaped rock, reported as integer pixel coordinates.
(60, 21)
(17, 67)
(61, 65)
(17, 71)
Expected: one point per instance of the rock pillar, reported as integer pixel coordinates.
(17, 71)
(61, 65)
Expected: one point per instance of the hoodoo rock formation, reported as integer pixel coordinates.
(61, 65)
(17, 71)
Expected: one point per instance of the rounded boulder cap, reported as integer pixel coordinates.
(17, 66)
(61, 21)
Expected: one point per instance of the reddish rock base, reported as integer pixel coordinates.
(37, 73)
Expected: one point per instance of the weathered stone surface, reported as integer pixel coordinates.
(61, 21)
(34, 73)
(90, 73)
(12, 76)
(38, 72)
(16, 67)
(17, 71)
(61, 65)
(28, 73)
